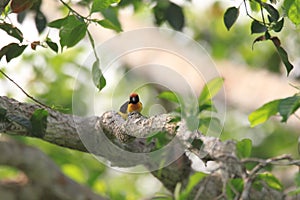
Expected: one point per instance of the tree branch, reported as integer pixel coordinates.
(125, 143)
(93, 132)
(40, 173)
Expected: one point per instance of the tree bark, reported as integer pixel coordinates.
(101, 136)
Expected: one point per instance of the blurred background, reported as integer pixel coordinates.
(252, 78)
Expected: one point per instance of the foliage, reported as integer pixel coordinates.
(244, 148)
(38, 122)
(233, 187)
(270, 21)
(285, 107)
(200, 118)
(163, 11)
(266, 20)
(98, 78)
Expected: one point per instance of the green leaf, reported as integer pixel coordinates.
(257, 27)
(11, 51)
(72, 31)
(161, 139)
(159, 14)
(288, 106)
(208, 106)
(285, 59)
(210, 124)
(12, 31)
(232, 186)
(230, 16)
(111, 14)
(270, 180)
(52, 45)
(40, 21)
(255, 6)
(244, 148)
(210, 90)
(100, 5)
(38, 122)
(278, 26)
(58, 23)
(166, 11)
(21, 16)
(174, 16)
(108, 24)
(272, 11)
(98, 77)
(263, 113)
(292, 8)
(170, 96)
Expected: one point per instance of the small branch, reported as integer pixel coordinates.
(245, 4)
(261, 164)
(92, 44)
(274, 161)
(262, 12)
(71, 9)
(29, 96)
(251, 17)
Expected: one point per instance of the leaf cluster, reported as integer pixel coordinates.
(74, 26)
(197, 116)
(284, 107)
(270, 21)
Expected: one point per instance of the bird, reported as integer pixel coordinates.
(132, 105)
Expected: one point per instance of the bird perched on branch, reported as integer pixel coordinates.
(132, 105)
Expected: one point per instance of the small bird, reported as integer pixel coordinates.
(132, 105)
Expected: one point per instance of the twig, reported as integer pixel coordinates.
(71, 9)
(248, 12)
(274, 161)
(261, 164)
(262, 12)
(251, 17)
(92, 42)
(28, 95)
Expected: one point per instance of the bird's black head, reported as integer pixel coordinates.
(134, 98)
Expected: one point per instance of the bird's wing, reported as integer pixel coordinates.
(123, 108)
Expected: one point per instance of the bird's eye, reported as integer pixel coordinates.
(134, 99)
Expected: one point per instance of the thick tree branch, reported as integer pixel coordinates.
(124, 143)
(75, 132)
(43, 178)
